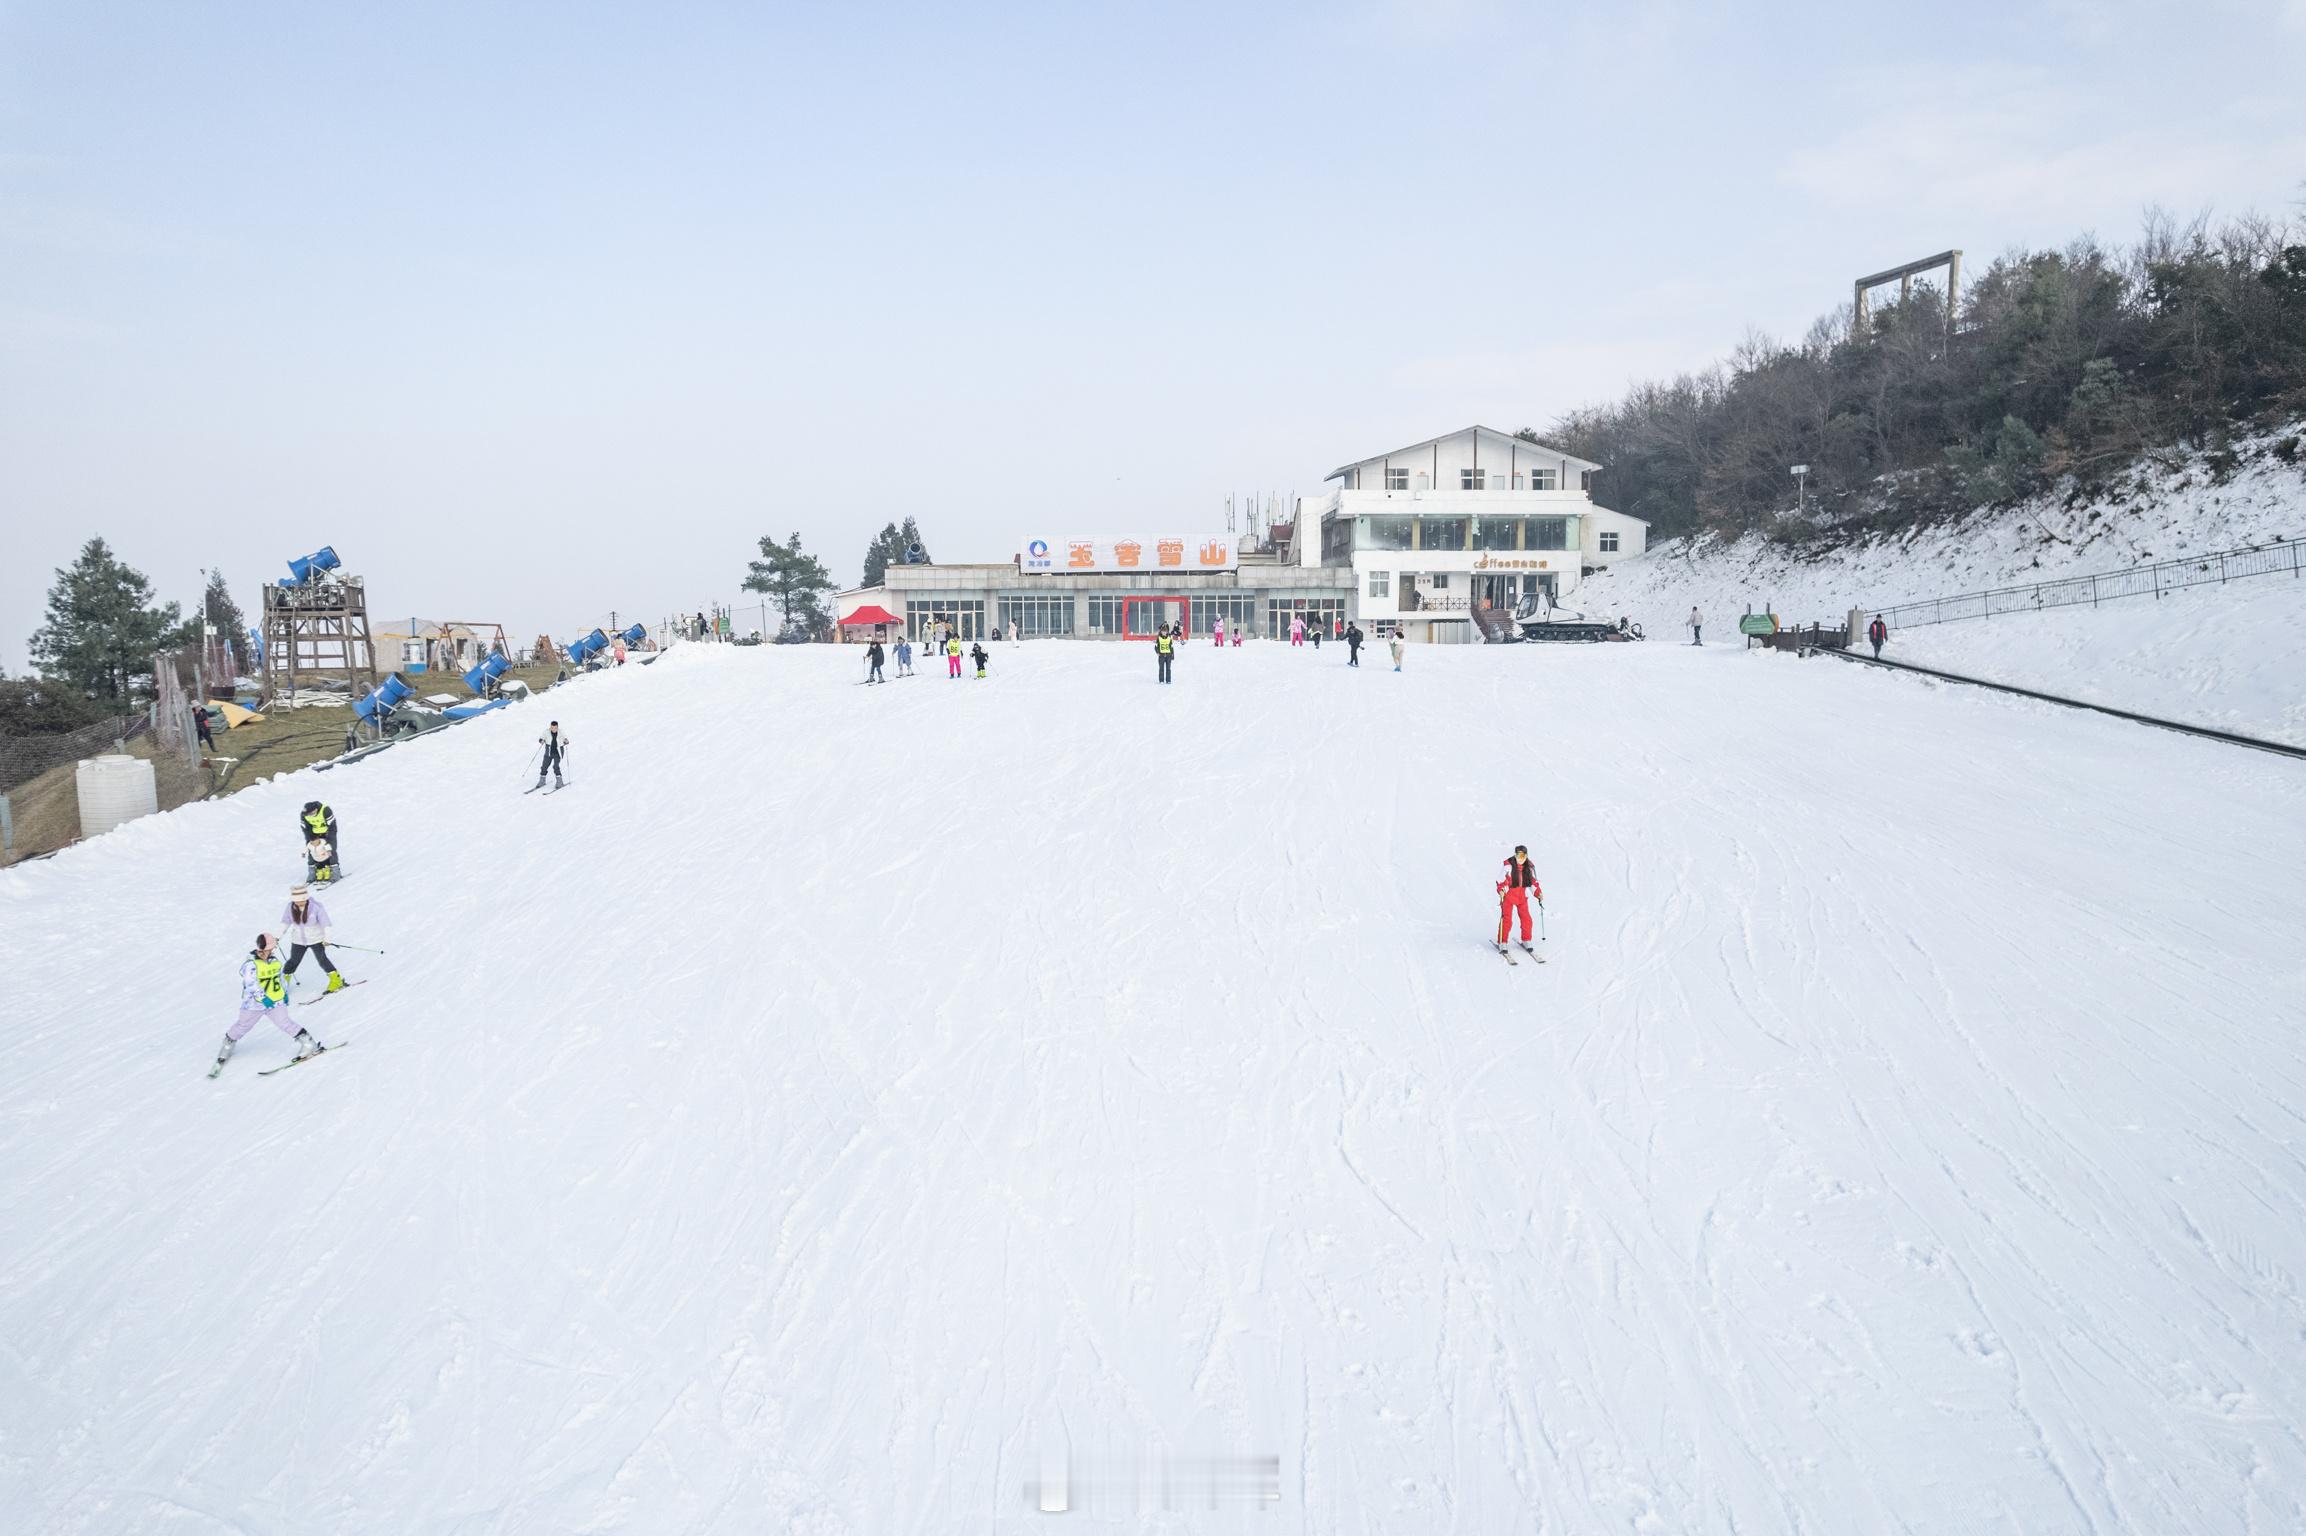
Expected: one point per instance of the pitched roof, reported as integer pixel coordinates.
(1503, 437)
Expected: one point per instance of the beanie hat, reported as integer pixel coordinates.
(299, 892)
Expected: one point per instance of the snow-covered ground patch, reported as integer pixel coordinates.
(842, 1104)
(2231, 656)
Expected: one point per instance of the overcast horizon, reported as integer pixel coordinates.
(537, 312)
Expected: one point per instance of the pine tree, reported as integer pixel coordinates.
(102, 629)
(222, 612)
(795, 580)
(878, 554)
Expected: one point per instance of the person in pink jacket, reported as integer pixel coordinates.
(1220, 633)
(263, 990)
(1296, 631)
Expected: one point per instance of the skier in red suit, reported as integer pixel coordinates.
(1514, 893)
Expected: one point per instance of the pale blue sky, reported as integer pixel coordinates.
(538, 310)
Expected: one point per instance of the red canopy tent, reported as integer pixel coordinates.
(871, 614)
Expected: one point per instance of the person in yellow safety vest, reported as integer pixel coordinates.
(317, 823)
(1165, 649)
(953, 655)
(263, 990)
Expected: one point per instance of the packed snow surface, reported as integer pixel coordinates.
(853, 1109)
(2231, 656)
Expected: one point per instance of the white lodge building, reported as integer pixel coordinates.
(1417, 539)
(1478, 516)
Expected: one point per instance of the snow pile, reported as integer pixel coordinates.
(2229, 655)
(843, 1106)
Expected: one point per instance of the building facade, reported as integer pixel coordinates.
(1259, 595)
(1435, 530)
(1418, 540)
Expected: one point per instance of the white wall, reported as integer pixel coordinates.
(1632, 536)
(1497, 456)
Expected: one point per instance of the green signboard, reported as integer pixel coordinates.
(1758, 624)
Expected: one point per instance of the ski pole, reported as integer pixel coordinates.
(532, 761)
(1541, 922)
(363, 948)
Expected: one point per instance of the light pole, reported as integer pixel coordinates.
(1801, 473)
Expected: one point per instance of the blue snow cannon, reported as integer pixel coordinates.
(636, 634)
(309, 568)
(377, 705)
(487, 672)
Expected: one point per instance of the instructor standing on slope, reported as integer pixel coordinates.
(1164, 650)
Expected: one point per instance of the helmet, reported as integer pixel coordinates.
(312, 805)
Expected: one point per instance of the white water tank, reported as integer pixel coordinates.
(114, 788)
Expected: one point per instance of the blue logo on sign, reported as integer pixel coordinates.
(1038, 549)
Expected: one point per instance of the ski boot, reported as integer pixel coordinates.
(335, 982)
(223, 1055)
(306, 1046)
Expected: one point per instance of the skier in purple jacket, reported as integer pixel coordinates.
(306, 922)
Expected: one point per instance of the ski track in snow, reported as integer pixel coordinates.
(845, 1101)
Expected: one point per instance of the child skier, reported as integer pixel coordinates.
(977, 655)
(1514, 894)
(263, 991)
(904, 657)
(318, 824)
(953, 656)
(306, 923)
(555, 749)
(873, 663)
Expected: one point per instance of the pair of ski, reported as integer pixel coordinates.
(557, 787)
(293, 1061)
(1524, 943)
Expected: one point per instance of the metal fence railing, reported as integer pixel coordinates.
(25, 758)
(2281, 558)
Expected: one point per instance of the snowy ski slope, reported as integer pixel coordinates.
(843, 1105)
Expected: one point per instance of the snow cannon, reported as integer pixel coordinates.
(636, 634)
(309, 569)
(481, 677)
(581, 652)
(373, 708)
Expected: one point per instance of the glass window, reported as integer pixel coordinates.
(1609, 543)
(1585, 481)
(1548, 533)
(966, 616)
(1105, 613)
(1397, 479)
(1380, 583)
(1470, 479)
(1037, 614)
(1385, 532)
(1545, 480)
(1496, 532)
(1443, 533)
(1439, 581)
(1327, 612)
(1237, 609)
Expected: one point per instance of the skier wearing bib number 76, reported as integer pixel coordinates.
(263, 989)
(1515, 890)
